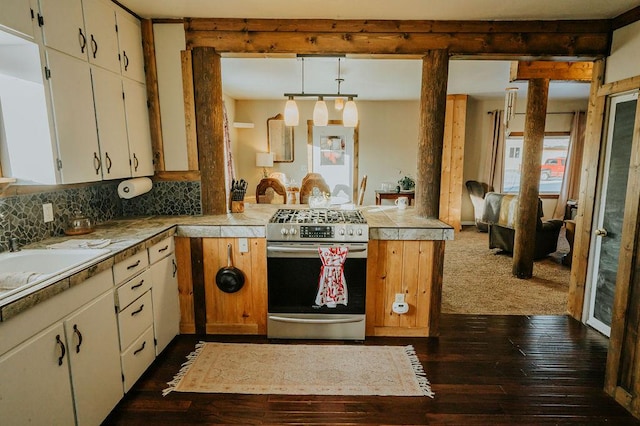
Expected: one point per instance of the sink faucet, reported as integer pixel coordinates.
(14, 244)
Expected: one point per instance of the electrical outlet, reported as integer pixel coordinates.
(243, 244)
(399, 297)
(47, 211)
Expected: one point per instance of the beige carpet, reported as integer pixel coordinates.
(479, 281)
(302, 370)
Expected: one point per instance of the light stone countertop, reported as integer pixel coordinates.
(131, 235)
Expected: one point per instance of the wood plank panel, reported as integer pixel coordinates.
(445, 175)
(553, 70)
(153, 97)
(198, 280)
(588, 183)
(564, 45)
(413, 269)
(242, 312)
(189, 110)
(400, 26)
(185, 285)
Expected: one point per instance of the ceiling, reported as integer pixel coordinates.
(370, 78)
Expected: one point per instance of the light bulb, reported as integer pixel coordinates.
(291, 114)
(338, 104)
(320, 113)
(350, 114)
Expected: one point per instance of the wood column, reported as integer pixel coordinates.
(433, 103)
(525, 238)
(151, 77)
(207, 87)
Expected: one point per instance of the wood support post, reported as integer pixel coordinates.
(207, 82)
(433, 103)
(151, 77)
(525, 238)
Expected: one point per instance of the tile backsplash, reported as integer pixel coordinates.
(23, 216)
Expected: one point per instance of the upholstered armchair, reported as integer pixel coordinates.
(477, 192)
(500, 213)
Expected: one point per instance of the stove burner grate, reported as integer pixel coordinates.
(318, 216)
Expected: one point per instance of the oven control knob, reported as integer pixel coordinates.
(359, 231)
(284, 231)
(350, 231)
(293, 231)
(341, 232)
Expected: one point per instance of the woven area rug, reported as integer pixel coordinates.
(302, 370)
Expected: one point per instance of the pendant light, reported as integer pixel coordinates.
(320, 113)
(350, 114)
(291, 113)
(510, 98)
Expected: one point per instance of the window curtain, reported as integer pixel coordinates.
(230, 172)
(495, 165)
(570, 187)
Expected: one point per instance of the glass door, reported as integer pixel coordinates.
(607, 234)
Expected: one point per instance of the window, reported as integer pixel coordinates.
(554, 157)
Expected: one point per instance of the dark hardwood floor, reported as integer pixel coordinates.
(484, 370)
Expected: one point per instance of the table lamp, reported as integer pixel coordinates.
(264, 160)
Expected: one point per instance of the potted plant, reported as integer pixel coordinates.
(406, 184)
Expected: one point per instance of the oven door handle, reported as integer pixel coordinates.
(277, 249)
(315, 321)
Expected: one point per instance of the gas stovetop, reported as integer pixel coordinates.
(317, 216)
(317, 224)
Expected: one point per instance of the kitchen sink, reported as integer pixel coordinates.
(29, 267)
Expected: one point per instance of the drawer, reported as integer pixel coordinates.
(160, 250)
(134, 319)
(126, 269)
(132, 289)
(137, 358)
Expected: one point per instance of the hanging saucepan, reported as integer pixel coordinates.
(229, 279)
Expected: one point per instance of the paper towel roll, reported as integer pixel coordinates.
(134, 187)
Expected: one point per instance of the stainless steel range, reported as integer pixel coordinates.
(316, 268)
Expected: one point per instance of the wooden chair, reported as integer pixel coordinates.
(266, 190)
(310, 181)
(362, 189)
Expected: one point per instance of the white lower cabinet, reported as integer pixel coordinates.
(70, 372)
(34, 382)
(166, 304)
(94, 355)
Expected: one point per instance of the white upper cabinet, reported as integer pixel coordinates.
(16, 15)
(63, 27)
(130, 42)
(112, 127)
(84, 29)
(135, 100)
(74, 113)
(102, 36)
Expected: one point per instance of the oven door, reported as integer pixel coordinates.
(293, 271)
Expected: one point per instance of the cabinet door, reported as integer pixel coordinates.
(94, 354)
(16, 15)
(63, 27)
(112, 126)
(102, 36)
(34, 381)
(135, 101)
(75, 119)
(130, 42)
(166, 307)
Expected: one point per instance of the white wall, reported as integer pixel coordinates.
(624, 61)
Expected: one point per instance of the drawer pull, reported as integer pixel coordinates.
(141, 348)
(175, 267)
(77, 333)
(133, 287)
(138, 311)
(63, 350)
(165, 248)
(135, 265)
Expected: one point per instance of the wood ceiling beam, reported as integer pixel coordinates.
(551, 70)
(520, 39)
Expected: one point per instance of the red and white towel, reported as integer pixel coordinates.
(332, 287)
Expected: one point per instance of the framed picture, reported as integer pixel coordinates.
(280, 139)
(332, 150)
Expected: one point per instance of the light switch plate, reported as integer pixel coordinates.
(243, 244)
(399, 298)
(47, 211)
